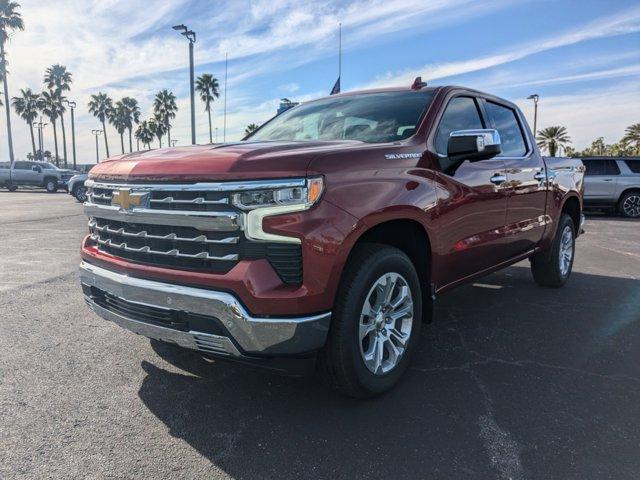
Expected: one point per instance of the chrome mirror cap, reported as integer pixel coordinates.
(485, 137)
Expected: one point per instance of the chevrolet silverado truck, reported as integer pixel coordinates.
(34, 174)
(326, 236)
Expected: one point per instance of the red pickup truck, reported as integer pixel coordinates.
(327, 234)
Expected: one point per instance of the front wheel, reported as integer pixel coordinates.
(551, 268)
(51, 186)
(375, 325)
(80, 193)
(629, 205)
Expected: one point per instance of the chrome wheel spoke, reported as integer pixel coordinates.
(366, 329)
(399, 337)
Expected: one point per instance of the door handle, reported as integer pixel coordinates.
(540, 176)
(498, 178)
(607, 180)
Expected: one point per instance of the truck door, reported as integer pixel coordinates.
(22, 174)
(526, 186)
(472, 204)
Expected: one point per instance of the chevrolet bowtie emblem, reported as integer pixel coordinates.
(125, 198)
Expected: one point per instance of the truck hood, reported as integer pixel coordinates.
(231, 161)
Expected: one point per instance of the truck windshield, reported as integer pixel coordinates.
(369, 117)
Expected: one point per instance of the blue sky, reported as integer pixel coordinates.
(582, 57)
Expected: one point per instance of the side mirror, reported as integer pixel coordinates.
(36, 168)
(473, 145)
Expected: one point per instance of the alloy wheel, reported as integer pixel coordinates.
(566, 250)
(385, 323)
(631, 206)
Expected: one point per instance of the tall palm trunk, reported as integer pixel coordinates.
(104, 134)
(64, 141)
(130, 142)
(210, 132)
(6, 101)
(122, 142)
(160, 141)
(168, 135)
(55, 141)
(33, 140)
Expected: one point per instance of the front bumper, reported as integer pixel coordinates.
(237, 333)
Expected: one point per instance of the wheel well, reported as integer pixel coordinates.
(572, 208)
(408, 236)
(628, 190)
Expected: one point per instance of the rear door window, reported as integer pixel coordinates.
(461, 114)
(21, 166)
(505, 121)
(601, 167)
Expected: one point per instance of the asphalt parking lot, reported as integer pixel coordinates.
(511, 381)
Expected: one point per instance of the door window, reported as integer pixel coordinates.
(22, 166)
(505, 121)
(461, 114)
(601, 167)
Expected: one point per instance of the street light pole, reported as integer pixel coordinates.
(95, 134)
(173, 142)
(535, 97)
(72, 106)
(191, 36)
(40, 126)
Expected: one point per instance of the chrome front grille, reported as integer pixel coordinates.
(188, 226)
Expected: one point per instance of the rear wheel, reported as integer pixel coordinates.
(551, 268)
(51, 185)
(376, 322)
(629, 205)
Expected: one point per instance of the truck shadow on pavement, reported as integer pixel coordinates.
(511, 381)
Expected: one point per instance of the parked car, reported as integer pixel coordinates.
(329, 232)
(613, 183)
(34, 174)
(76, 187)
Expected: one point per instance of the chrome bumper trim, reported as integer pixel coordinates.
(254, 335)
(208, 221)
(203, 342)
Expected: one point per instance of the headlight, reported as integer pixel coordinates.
(305, 195)
(276, 201)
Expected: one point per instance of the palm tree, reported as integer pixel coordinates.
(100, 107)
(632, 137)
(165, 108)
(144, 134)
(118, 117)
(158, 127)
(208, 88)
(26, 107)
(551, 138)
(252, 127)
(10, 21)
(58, 79)
(132, 115)
(51, 105)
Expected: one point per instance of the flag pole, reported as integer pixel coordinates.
(224, 130)
(340, 50)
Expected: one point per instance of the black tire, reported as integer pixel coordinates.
(80, 193)
(629, 205)
(341, 362)
(546, 265)
(51, 185)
